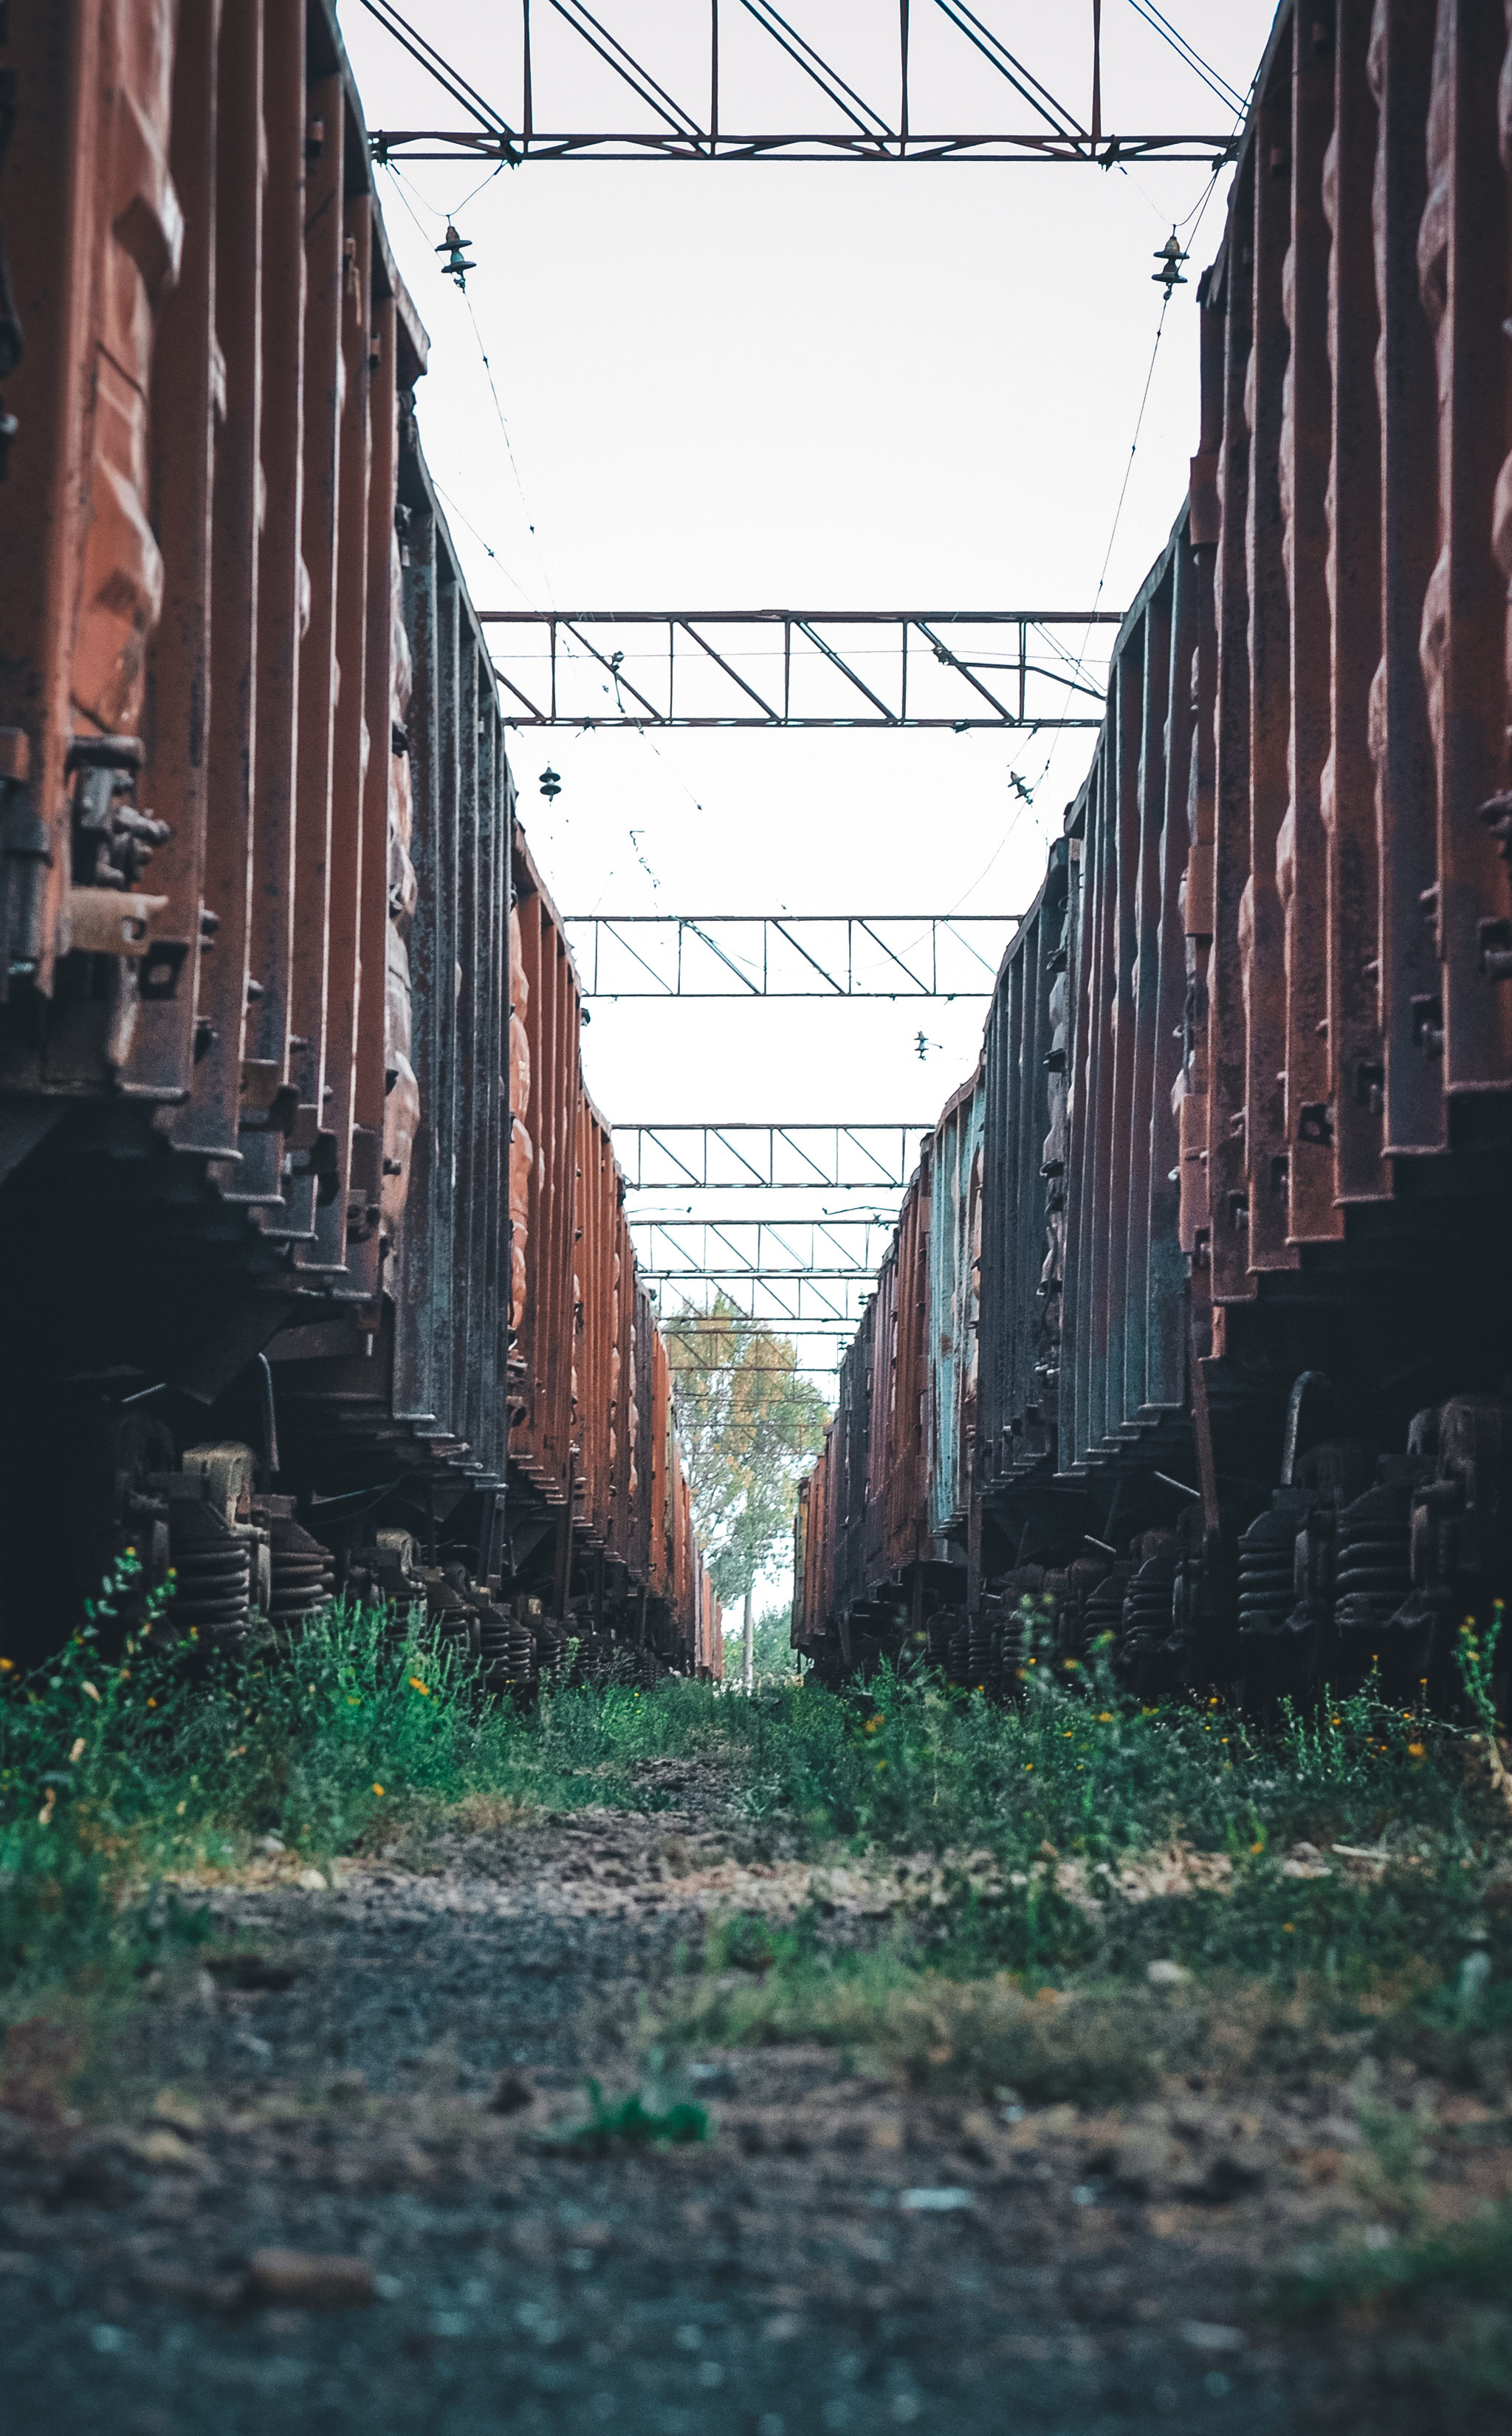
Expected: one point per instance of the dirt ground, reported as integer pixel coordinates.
(839, 2254)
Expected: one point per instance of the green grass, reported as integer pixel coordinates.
(1022, 1849)
(1433, 2310)
(630, 2122)
(119, 1772)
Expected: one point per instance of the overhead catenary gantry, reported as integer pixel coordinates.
(677, 127)
(799, 668)
(770, 1249)
(789, 956)
(745, 1158)
(819, 1299)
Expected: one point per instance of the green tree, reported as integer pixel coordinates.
(750, 1425)
(773, 1659)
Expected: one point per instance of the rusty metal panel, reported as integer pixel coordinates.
(1347, 794)
(543, 1315)
(365, 1200)
(319, 674)
(659, 1572)
(1165, 853)
(184, 411)
(1257, 915)
(208, 1121)
(467, 1043)
(1026, 1054)
(1227, 1037)
(350, 743)
(52, 237)
(640, 1430)
(1462, 265)
(954, 1204)
(883, 1371)
(280, 579)
(907, 1488)
(416, 1277)
(593, 1296)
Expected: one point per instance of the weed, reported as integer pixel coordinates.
(611, 2121)
(1103, 1833)
(1425, 2276)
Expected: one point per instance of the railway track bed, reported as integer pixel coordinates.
(381, 2073)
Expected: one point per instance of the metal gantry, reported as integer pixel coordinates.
(744, 1157)
(821, 1299)
(769, 1249)
(788, 955)
(860, 127)
(797, 667)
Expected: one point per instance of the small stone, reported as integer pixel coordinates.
(512, 2094)
(175, 2114)
(1142, 2159)
(312, 1881)
(1231, 2174)
(1200, 2336)
(163, 2150)
(297, 2279)
(1167, 1974)
(937, 2203)
(93, 2178)
(348, 2088)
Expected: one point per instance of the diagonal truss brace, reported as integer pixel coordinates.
(743, 1157)
(832, 956)
(577, 681)
(861, 127)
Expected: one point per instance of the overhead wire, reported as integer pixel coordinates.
(1216, 82)
(453, 83)
(402, 184)
(1197, 216)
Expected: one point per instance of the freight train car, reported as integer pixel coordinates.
(314, 1256)
(1243, 1393)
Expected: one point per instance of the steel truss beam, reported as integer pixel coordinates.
(825, 1299)
(772, 1248)
(769, 1158)
(482, 144)
(738, 682)
(679, 131)
(758, 955)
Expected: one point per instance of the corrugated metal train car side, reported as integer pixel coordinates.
(320, 1244)
(1244, 1390)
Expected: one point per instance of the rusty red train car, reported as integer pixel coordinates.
(1243, 1393)
(315, 1254)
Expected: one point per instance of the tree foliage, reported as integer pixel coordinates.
(750, 1425)
(774, 1659)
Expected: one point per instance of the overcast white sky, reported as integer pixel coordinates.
(852, 386)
